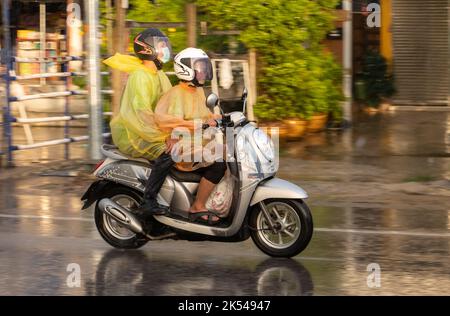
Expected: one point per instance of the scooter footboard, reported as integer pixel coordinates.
(277, 188)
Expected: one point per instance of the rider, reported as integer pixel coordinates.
(179, 107)
(133, 129)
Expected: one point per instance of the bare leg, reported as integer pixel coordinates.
(204, 190)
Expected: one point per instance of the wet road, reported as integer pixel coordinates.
(366, 207)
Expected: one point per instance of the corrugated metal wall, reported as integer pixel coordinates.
(420, 34)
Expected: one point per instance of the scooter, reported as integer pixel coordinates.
(270, 210)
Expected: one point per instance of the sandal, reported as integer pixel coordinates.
(211, 217)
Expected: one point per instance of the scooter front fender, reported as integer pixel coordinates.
(277, 188)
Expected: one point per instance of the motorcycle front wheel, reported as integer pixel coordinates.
(111, 231)
(292, 232)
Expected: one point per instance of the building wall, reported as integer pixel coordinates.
(420, 37)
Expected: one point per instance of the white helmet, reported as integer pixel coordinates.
(193, 65)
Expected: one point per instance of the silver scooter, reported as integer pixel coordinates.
(270, 210)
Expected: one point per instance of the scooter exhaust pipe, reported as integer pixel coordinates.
(121, 214)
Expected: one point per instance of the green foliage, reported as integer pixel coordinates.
(301, 88)
(297, 78)
(420, 178)
(173, 11)
(377, 82)
(162, 11)
(80, 81)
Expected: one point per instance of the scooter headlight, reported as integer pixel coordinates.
(264, 143)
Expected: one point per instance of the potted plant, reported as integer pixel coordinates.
(375, 83)
(270, 116)
(296, 127)
(292, 74)
(325, 93)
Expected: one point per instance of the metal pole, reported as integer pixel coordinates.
(74, 38)
(93, 69)
(347, 59)
(119, 46)
(42, 35)
(65, 67)
(109, 23)
(7, 137)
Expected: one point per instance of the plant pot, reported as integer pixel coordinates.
(317, 123)
(370, 109)
(384, 107)
(296, 128)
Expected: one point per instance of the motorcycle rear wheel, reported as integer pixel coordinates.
(111, 231)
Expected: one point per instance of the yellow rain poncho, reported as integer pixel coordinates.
(179, 107)
(133, 129)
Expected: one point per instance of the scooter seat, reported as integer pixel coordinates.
(183, 176)
(111, 151)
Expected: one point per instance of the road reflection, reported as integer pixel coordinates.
(136, 273)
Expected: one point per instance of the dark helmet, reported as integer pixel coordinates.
(152, 44)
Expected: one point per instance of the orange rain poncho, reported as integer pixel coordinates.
(133, 129)
(179, 107)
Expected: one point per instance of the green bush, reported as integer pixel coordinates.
(297, 78)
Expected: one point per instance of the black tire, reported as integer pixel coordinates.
(133, 242)
(300, 243)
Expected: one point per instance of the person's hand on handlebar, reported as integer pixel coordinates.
(170, 142)
(212, 122)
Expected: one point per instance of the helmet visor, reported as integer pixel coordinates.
(203, 70)
(163, 49)
(161, 45)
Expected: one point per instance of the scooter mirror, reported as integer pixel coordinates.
(211, 101)
(244, 94)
